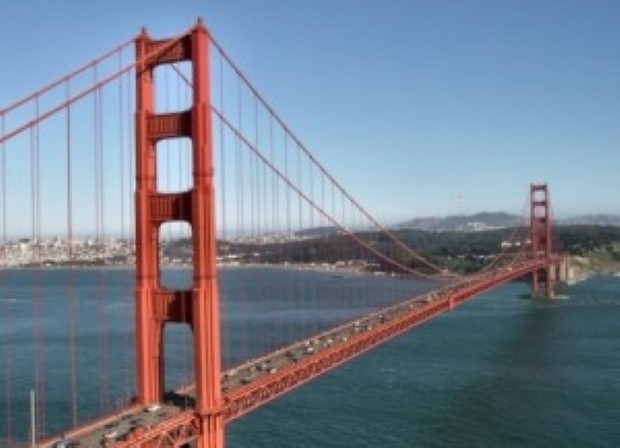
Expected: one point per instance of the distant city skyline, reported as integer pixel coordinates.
(442, 108)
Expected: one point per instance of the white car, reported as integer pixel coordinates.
(153, 408)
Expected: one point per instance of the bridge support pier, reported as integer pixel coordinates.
(212, 430)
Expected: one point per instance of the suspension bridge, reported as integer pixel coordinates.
(161, 154)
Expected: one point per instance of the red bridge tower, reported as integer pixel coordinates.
(155, 305)
(540, 237)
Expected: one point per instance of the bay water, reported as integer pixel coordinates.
(501, 370)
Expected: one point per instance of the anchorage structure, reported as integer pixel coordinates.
(155, 305)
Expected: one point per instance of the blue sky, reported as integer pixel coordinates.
(418, 107)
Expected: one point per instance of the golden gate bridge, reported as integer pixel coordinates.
(171, 135)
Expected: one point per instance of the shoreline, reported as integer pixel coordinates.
(582, 268)
(131, 267)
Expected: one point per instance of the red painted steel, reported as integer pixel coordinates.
(246, 399)
(188, 425)
(199, 307)
(541, 238)
(156, 306)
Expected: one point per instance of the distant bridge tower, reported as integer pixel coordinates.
(155, 305)
(541, 238)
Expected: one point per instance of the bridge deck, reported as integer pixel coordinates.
(263, 379)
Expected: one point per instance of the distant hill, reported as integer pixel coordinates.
(593, 220)
(464, 223)
(497, 220)
(317, 232)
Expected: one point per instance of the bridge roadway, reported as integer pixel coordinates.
(260, 380)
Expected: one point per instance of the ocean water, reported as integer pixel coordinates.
(502, 370)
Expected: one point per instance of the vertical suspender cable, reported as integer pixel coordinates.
(258, 185)
(254, 201)
(70, 261)
(96, 235)
(181, 164)
(275, 228)
(130, 233)
(121, 147)
(130, 153)
(223, 212)
(222, 157)
(311, 183)
(101, 312)
(299, 226)
(239, 170)
(125, 348)
(37, 196)
(265, 201)
(102, 227)
(300, 186)
(176, 97)
(39, 267)
(346, 225)
(188, 167)
(5, 306)
(121, 170)
(36, 296)
(287, 212)
(33, 418)
(288, 189)
(251, 188)
(167, 143)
